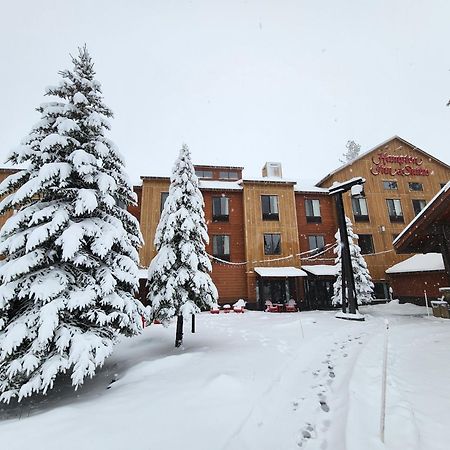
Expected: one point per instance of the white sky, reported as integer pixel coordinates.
(241, 82)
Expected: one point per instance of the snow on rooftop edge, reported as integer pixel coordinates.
(288, 271)
(428, 262)
(321, 269)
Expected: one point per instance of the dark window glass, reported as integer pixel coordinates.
(415, 186)
(204, 173)
(221, 247)
(360, 211)
(269, 205)
(272, 244)
(418, 205)
(164, 196)
(316, 242)
(228, 175)
(365, 243)
(390, 185)
(220, 209)
(395, 210)
(312, 209)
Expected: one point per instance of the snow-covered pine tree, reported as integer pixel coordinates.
(351, 153)
(70, 252)
(363, 280)
(179, 280)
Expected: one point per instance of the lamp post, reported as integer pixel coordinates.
(348, 280)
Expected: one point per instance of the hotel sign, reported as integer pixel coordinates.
(403, 165)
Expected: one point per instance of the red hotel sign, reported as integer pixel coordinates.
(403, 165)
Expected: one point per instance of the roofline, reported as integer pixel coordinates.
(269, 181)
(318, 184)
(217, 167)
(150, 177)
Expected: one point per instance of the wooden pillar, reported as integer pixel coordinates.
(286, 283)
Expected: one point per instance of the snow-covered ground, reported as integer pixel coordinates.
(255, 381)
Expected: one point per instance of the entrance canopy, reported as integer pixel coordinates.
(279, 272)
(322, 270)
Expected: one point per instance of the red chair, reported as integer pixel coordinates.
(270, 307)
(291, 306)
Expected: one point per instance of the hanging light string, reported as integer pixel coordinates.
(283, 258)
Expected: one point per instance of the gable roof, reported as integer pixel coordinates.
(339, 169)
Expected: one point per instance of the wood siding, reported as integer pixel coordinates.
(410, 286)
(255, 227)
(380, 226)
(326, 228)
(150, 214)
(230, 280)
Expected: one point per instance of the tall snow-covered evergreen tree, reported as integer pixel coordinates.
(179, 280)
(363, 280)
(70, 251)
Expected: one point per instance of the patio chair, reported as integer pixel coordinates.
(291, 306)
(226, 308)
(239, 306)
(270, 307)
(215, 309)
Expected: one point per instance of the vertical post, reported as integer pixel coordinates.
(426, 303)
(179, 332)
(288, 295)
(347, 270)
(257, 295)
(383, 382)
(193, 324)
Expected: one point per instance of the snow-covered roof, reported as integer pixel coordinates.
(428, 262)
(220, 185)
(305, 186)
(280, 272)
(268, 180)
(321, 270)
(422, 213)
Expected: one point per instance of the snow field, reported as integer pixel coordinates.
(252, 381)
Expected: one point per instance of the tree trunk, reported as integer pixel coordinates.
(179, 335)
(193, 323)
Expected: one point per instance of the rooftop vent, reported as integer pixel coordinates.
(272, 170)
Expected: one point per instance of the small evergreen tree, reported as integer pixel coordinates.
(363, 280)
(351, 153)
(70, 252)
(179, 280)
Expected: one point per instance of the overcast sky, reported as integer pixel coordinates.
(241, 82)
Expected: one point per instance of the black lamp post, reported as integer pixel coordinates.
(348, 280)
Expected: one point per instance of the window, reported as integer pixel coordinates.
(312, 208)
(164, 196)
(228, 175)
(360, 212)
(272, 244)
(415, 186)
(418, 205)
(390, 185)
(316, 242)
(269, 207)
(365, 243)
(395, 210)
(221, 247)
(220, 209)
(204, 173)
